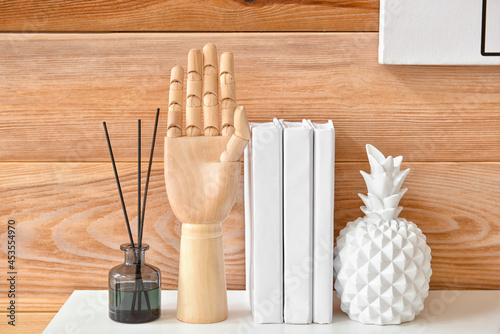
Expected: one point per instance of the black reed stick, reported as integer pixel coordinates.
(139, 284)
(141, 229)
(118, 184)
(139, 180)
(138, 280)
(148, 176)
(136, 288)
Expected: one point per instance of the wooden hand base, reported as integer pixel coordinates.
(202, 294)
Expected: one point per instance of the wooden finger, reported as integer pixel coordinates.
(210, 99)
(227, 93)
(174, 128)
(239, 139)
(194, 91)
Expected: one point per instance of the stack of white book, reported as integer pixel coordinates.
(289, 197)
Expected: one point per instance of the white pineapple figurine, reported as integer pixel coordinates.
(382, 263)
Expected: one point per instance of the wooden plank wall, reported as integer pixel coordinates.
(62, 73)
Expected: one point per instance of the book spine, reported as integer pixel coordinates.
(298, 211)
(267, 228)
(247, 179)
(324, 169)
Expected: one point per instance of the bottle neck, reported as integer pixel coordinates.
(134, 255)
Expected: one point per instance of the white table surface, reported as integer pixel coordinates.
(447, 311)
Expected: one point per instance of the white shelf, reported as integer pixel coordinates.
(448, 311)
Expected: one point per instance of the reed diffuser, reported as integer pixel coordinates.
(134, 286)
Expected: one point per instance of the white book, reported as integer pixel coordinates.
(323, 200)
(298, 213)
(264, 221)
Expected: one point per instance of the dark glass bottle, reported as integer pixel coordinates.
(134, 288)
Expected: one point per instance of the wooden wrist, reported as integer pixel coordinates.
(202, 231)
(202, 294)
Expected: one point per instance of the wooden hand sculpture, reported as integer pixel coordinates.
(202, 173)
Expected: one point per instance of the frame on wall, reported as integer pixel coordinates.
(483, 33)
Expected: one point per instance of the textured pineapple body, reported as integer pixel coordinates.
(382, 270)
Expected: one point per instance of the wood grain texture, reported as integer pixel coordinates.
(67, 220)
(56, 89)
(30, 304)
(27, 323)
(69, 224)
(189, 15)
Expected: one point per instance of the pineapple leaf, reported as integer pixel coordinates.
(392, 201)
(376, 203)
(388, 165)
(376, 168)
(371, 150)
(398, 181)
(397, 161)
(365, 200)
(398, 211)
